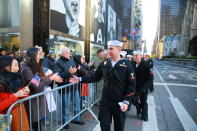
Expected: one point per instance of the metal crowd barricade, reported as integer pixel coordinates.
(58, 106)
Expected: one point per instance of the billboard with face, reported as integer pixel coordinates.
(68, 16)
(98, 13)
(111, 32)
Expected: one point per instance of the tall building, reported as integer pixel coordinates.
(171, 16)
(123, 10)
(137, 25)
(189, 27)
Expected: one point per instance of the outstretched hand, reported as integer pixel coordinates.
(56, 78)
(124, 107)
(74, 79)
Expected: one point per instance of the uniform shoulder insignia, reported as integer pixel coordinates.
(123, 64)
(132, 76)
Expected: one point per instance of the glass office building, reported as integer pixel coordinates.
(171, 16)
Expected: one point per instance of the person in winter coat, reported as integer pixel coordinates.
(66, 68)
(11, 90)
(49, 61)
(82, 68)
(29, 69)
(144, 78)
(150, 61)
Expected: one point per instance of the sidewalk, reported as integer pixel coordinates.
(132, 122)
(90, 122)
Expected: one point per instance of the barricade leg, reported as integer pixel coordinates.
(76, 104)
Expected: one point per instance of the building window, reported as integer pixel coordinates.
(10, 41)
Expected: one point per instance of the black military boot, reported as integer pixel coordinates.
(144, 117)
(138, 108)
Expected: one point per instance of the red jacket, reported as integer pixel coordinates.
(6, 100)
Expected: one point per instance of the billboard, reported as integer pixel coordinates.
(111, 32)
(68, 16)
(98, 21)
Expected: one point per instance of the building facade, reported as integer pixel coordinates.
(53, 24)
(171, 16)
(171, 19)
(136, 24)
(189, 26)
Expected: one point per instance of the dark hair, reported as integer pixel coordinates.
(99, 51)
(2, 49)
(7, 77)
(5, 61)
(32, 63)
(77, 59)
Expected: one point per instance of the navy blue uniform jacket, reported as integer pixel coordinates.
(119, 81)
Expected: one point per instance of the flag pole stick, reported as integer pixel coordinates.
(31, 79)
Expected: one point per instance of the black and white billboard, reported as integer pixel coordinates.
(98, 21)
(111, 32)
(68, 16)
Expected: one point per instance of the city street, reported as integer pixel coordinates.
(172, 106)
(54, 52)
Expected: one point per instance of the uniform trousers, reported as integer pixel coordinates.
(143, 103)
(109, 109)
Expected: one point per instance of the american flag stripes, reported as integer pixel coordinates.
(35, 80)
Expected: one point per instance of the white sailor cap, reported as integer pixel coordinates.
(114, 43)
(123, 53)
(137, 52)
(147, 54)
(129, 56)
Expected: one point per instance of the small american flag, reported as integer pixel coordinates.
(35, 80)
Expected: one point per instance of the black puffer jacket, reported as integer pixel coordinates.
(62, 66)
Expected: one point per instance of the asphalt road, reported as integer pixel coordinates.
(172, 106)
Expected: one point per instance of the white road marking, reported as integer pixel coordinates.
(152, 120)
(185, 71)
(169, 92)
(172, 77)
(97, 128)
(173, 84)
(184, 117)
(180, 67)
(196, 100)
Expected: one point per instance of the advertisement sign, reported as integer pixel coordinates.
(98, 22)
(68, 16)
(111, 24)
